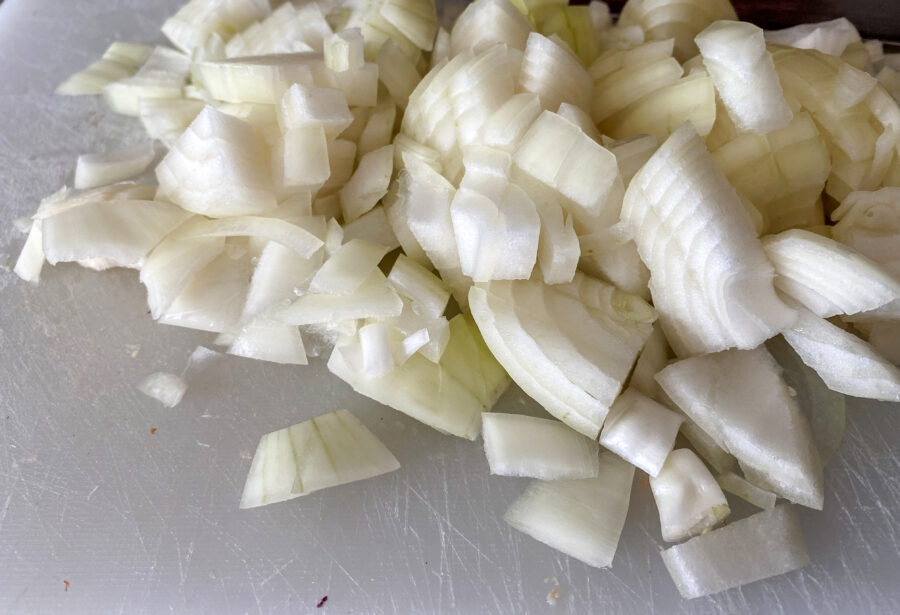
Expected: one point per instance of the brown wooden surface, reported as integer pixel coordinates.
(874, 18)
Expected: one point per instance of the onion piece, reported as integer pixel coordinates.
(344, 50)
(300, 161)
(412, 321)
(166, 388)
(397, 72)
(582, 518)
(735, 55)
(162, 75)
(119, 61)
(654, 356)
(347, 268)
(95, 170)
(732, 483)
(711, 293)
(374, 227)
(256, 79)
(519, 445)
(869, 222)
(639, 76)
(217, 168)
(31, 258)
(830, 37)
(553, 73)
(705, 445)
(379, 128)
(558, 248)
(763, 545)
(414, 19)
(420, 286)
(569, 353)
(449, 395)
(689, 500)
(375, 348)
(640, 431)
(368, 184)
(828, 277)
(508, 124)
(374, 298)
(289, 235)
(166, 118)
(120, 232)
(772, 441)
(681, 20)
(198, 19)
(329, 450)
(304, 106)
(487, 22)
(846, 363)
(288, 29)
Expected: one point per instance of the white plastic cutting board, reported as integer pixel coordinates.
(148, 523)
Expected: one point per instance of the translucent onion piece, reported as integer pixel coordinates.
(422, 287)
(653, 358)
(379, 128)
(162, 75)
(735, 55)
(830, 37)
(679, 20)
(414, 19)
(217, 168)
(368, 184)
(121, 232)
(763, 545)
(413, 320)
(508, 124)
(739, 398)
(344, 50)
(375, 348)
(486, 22)
(582, 518)
(643, 70)
(268, 341)
(441, 49)
(558, 249)
(31, 258)
(706, 447)
(119, 61)
(95, 170)
(329, 450)
(449, 395)
(580, 118)
(640, 431)
(374, 298)
(689, 500)
(166, 118)
(374, 227)
(826, 276)
(304, 106)
(519, 445)
(710, 278)
(289, 235)
(280, 273)
(869, 222)
(846, 363)
(347, 268)
(732, 483)
(167, 389)
(553, 73)
(300, 160)
(198, 19)
(557, 153)
(286, 30)
(256, 79)
(397, 72)
(569, 353)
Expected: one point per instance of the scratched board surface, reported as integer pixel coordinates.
(111, 503)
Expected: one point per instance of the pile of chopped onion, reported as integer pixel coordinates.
(626, 220)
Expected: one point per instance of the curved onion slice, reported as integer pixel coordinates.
(828, 277)
(763, 545)
(194, 22)
(732, 483)
(739, 398)
(288, 29)
(347, 268)
(373, 298)
(304, 106)
(95, 170)
(449, 395)
(120, 232)
(710, 278)
(582, 518)
(689, 500)
(216, 168)
(846, 363)
(162, 75)
(624, 77)
(289, 235)
(166, 118)
(558, 248)
(486, 22)
(374, 227)
(570, 352)
(640, 431)
(119, 61)
(553, 73)
(368, 184)
(426, 291)
(166, 388)
(519, 445)
(831, 37)
(329, 450)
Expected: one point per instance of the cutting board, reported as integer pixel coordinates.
(111, 503)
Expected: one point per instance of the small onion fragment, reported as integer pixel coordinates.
(689, 500)
(95, 170)
(763, 545)
(732, 483)
(519, 445)
(166, 388)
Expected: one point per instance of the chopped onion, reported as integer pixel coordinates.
(558, 248)
(288, 29)
(397, 72)
(519, 445)
(654, 356)
(869, 222)
(344, 50)
(369, 183)
(329, 450)
(830, 37)
(167, 118)
(735, 55)
(846, 363)
(375, 347)
(168, 389)
(300, 160)
(508, 124)
(373, 298)
(374, 227)
(553, 73)
(640, 431)
(419, 285)
(739, 398)
(413, 320)
(681, 20)
(217, 168)
(256, 79)
(119, 61)
(347, 268)
(449, 395)
(95, 170)
(162, 75)
(31, 259)
(732, 483)
(689, 499)
(828, 277)
(763, 545)
(304, 106)
(711, 294)
(289, 235)
(198, 19)
(379, 128)
(640, 72)
(486, 22)
(706, 447)
(582, 518)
